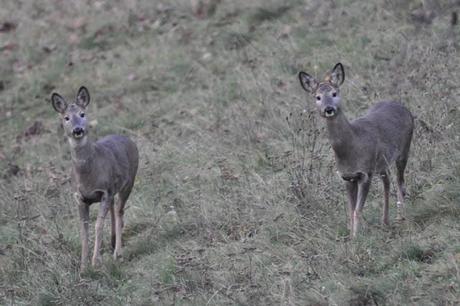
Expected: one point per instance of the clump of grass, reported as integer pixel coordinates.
(168, 271)
(263, 14)
(365, 294)
(47, 299)
(140, 248)
(114, 270)
(92, 273)
(416, 253)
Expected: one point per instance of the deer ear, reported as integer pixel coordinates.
(59, 104)
(337, 75)
(308, 82)
(83, 97)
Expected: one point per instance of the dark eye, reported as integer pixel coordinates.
(334, 94)
(82, 115)
(318, 98)
(66, 118)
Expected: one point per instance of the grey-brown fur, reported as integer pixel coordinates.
(100, 170)
(365, 146)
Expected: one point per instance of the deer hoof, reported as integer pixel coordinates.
(117, 255)
(96, 262)
(83, 268)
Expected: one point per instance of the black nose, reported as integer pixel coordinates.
(329, 111)
(77, 131)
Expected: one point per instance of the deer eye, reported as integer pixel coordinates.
(318, 98)
(82, 115)
(334, 94)
(66, 118)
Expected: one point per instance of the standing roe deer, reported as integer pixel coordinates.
(100, 170)
(364, 146)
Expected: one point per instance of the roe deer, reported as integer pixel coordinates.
(100, 170)
(364, 146)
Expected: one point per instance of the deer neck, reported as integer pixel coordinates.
(341, 135)
(82, 153)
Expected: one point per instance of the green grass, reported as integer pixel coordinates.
(229, 140)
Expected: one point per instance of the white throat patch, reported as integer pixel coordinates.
(74, 143)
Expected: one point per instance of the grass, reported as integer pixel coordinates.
(232, 145)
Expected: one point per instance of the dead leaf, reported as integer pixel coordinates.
(226, 172)
(35, 129)
(204, 8)
(73, 39)
(422, 16)
(132, 77)
(9, 46)
(7, 26)
(78, 23)
(49, 49)
(12, 170)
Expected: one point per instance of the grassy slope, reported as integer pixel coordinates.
(229, 140)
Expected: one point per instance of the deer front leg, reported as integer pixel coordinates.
(83, 210)
(103, 209)
(364, 184)
(352, 189)
(113, 233)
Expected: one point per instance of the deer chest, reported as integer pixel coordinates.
(93, 197)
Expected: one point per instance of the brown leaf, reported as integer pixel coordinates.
(422, 16)
(226, 172)
(73, 39)
(9, 46)
(78, 23)
(7, 26)
(12, 170)
(35, 129)
(204, 8)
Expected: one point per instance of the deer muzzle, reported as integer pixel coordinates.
(78, 132)
(329, 111)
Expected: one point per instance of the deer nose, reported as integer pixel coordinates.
(329, 111)
(78, 131)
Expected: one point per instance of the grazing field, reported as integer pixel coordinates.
(237, 200)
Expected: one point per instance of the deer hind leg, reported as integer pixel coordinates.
(386, 197)
(104, 207)
(400, 167)
(364, 184)
(352, 190)
(119, 223)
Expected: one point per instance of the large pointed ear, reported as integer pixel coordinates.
(83, 97)
(58, 102)
(337, 75)
(309, 83)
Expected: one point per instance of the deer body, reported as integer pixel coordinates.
(102, 167)
(372, 142)
(364, 146)
(100, 171)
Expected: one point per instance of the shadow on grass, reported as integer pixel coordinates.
(435, 212)
(153, 241)
(267, 14)
(416, 253)
(365, 295)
